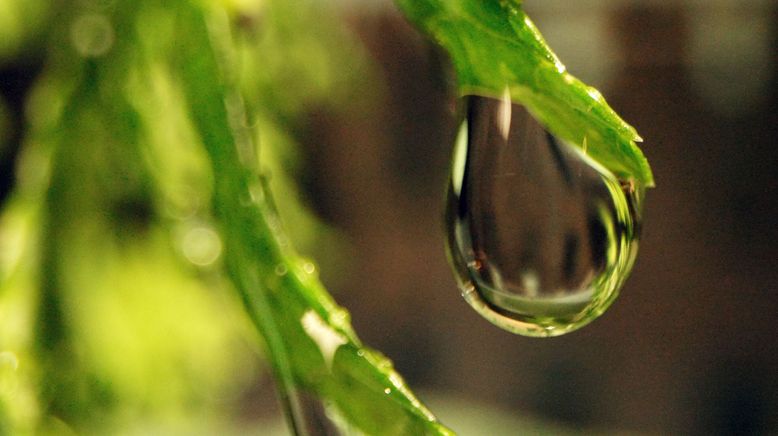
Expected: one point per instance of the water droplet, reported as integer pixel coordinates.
(387, 391)
(340, 317)
(541, 237)
(92, 35)
(201, 245)
(281, 270)
(309, 268)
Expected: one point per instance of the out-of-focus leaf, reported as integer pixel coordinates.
(128, 331)
(141, 110)
(20, 21)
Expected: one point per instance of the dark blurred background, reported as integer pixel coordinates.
(691, 346)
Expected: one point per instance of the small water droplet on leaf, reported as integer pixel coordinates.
(540, 236)
(92, 35)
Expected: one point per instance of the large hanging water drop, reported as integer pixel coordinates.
(540, 236)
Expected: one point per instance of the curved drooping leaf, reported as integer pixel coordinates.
(497, 50)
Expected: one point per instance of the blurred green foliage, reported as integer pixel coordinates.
(20, 24)
(141, 203)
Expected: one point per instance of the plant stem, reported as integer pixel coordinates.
(288, 304)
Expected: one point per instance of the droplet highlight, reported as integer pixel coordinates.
(540, 236)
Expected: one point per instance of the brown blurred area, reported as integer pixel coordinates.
(691, 345)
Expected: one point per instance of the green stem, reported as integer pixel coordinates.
(231, 187)
(309, 338)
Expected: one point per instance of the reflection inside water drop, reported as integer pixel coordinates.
(540, 236)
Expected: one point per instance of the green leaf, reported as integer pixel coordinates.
(309, 338)
(496, 49)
